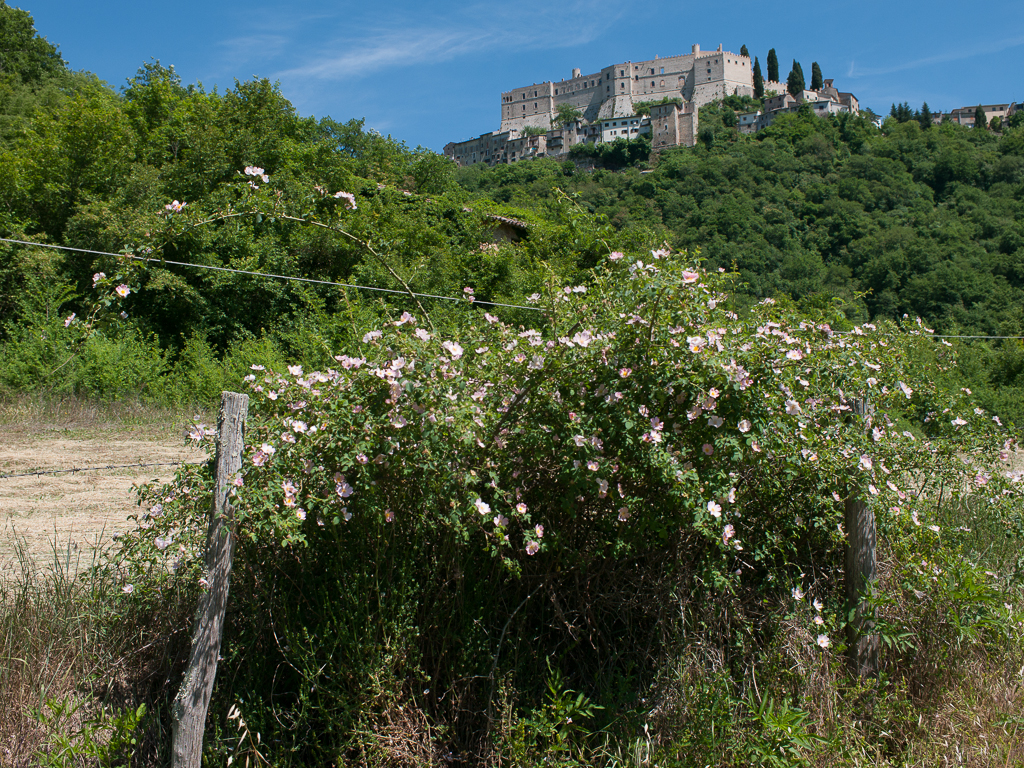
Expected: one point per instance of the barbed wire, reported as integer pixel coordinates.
(370, 287)
(108, 466)
(267, 274)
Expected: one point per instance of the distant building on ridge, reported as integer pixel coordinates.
(607, 101)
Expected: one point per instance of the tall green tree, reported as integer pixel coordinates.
(23, 54)
(924, 117)
(758, 80)
(79, 151)
(795, 82)
(32, 73)
(817, 81)
(979, 118)
(902, 112)
(773, 66)
(744, 51)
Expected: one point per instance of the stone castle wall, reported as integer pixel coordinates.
(697, 78)
(673, 125)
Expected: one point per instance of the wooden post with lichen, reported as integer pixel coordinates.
(860, 572)
(193, 699)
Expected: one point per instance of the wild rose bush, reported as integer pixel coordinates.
(640, 415)
(641, 407)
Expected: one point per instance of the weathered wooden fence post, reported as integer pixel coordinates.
(193, 699)
(861, 563)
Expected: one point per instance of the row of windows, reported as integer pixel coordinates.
(636, 67)
(622, 73)
(585, 84)
(508, 99)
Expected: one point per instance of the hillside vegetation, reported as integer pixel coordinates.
(892, 222)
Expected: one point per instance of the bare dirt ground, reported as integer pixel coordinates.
(68, 516)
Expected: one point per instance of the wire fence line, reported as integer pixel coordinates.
(291, 278)
(367, 287)
(359, 287)
(107, 466)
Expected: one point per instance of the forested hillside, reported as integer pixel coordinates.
(892, 222)
(902, 220)
(86, 166)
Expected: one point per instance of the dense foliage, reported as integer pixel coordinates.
(445, 525)
(95, 170)
(898, 221)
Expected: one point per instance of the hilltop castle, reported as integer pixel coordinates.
(607, 102)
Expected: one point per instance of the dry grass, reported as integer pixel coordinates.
(978, 722)
(78, 511)
(56, 638)
(32, 415)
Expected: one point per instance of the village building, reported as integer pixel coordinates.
(607, 102)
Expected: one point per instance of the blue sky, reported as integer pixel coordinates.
(432, 72)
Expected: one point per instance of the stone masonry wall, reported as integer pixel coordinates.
(698, 78)
(612, 92)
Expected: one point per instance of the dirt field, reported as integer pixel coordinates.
(69, 515)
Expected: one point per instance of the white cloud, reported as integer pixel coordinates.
(952, 54)
(244, 49)
(526, 26)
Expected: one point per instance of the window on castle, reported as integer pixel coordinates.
(663, 70)
(652, 70)
(652, 83)
(662, 83)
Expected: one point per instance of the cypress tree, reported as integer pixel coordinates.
(773, 66)
(795, 81)
(744, 51)
(758, 80)
(924, 117)
(903, 113)
(979, 118)
(816, 80)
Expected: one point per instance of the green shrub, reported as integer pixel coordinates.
(434, 526)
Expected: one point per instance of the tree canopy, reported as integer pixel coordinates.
(773, 66)
(566, 113)
(758, 80)
(795, 82)
(816, 79)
